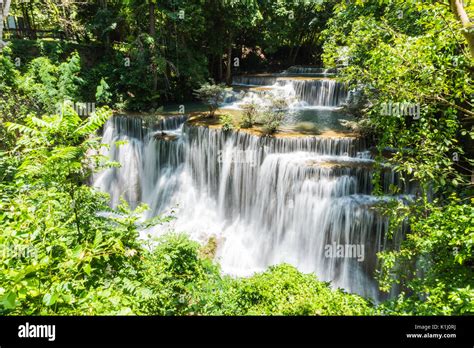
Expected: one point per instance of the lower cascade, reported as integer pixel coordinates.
(304, 201)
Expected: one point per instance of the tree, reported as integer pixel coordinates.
(434, 263)
(457, 7)
(250, 112)
(4, 11)
(274, 114)
(375, 37)
(227, 22)
(292, 25)
(212, 95)
(399, 52)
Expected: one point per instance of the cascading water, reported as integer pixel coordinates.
(254, 80)
(300, 91)
(309, 71)
(323, 92)
(267, 200)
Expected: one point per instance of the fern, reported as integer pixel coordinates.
(95, 121)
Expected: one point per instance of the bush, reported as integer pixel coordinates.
(61, 254)
(273, 115)
(212, 95)
(250, 113)
(434, 263)
(283, 290)
(183, 283)
(227, 122)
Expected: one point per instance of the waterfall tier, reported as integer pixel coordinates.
(309, 71)
(267, 200)
(301, 91)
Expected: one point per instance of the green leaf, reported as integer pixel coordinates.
(50, 299)
(98, 238)
(87, 268)
(9, 300)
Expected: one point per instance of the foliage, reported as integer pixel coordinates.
(103, 95)
(434, 262)
(413, 52)
(183, 283)
(282, 290)
(293, 25)
(412, 59)
(174, 273)
(250, 113)
(64, 251)
(10, 101)
(49, 84)
(212, 95)
(273, 115)
(55, 246)
(227, 122)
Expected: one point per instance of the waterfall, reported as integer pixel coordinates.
(266, 200)
(309, 71)
(254, 80)
(304, 200)
(308, 91)
(300, 93)
(323, 92)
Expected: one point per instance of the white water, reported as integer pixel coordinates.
(300, 93)
(266, 200)
(309, 71)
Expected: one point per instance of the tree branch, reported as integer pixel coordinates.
(460, 108)
(457, 7)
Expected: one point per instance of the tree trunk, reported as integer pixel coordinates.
(4, 10)
(107, 34)
(299, 43)
(152, 32)
(459, 11)
(152, 27)
(228, 75)
(289, 61)
(219, 68)
(26, 15)
(293, 58)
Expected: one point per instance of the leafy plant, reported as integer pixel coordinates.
(273, 115)
(434, 263)
(103, 95)
(212, 95)
(250, 113)
(227, 122)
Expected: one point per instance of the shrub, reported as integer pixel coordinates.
(250, 113)
(212, 95)
(175, 275)
(59, 254)
(283, 290)
(273, 115)
(227, 122)
(434, 263)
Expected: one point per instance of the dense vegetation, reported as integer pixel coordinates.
(65, 251)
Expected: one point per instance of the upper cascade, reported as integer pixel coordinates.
(303, 86)
(309, 71)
